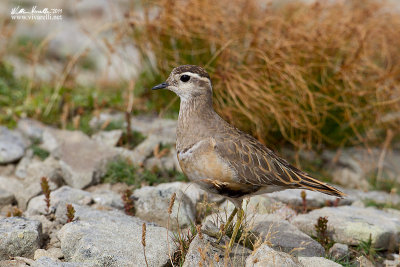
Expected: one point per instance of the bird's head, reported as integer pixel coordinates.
(188, 82)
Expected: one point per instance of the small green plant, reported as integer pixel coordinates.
(120, 171)
(70, 213)
(367, 248)
(46, 191)
(123, 171)
(182, 240)
(128, 202)
(321, 228)
(40, 152)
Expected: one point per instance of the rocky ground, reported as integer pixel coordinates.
(281, 229)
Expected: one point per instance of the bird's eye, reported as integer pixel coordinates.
(185, 78)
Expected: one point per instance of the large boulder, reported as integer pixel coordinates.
(152, 203)
(351, 225)
(82, 160)
(285, 237)
(111, 238)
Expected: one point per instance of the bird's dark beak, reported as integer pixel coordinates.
(160, 86)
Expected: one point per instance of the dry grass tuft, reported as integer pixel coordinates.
(324, 73)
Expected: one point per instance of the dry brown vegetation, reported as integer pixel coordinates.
(325, 73)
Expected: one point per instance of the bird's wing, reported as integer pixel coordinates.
(255, 164)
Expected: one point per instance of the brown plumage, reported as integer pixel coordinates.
(221, 158)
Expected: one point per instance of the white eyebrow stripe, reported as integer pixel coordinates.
(196, 75)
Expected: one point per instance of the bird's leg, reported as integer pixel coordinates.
(240, 215)
(228, 222)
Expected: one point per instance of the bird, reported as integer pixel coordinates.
(222, 159)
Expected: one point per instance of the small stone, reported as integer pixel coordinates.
(12, 145)
(264, 256)
(317, 262)
(339, 251)
(363, 261)
(19, 237)
(152, 203)
(108, 198)
(52, 253)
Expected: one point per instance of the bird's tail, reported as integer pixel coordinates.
(310, 183)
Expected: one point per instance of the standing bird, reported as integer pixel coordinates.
(222, 159)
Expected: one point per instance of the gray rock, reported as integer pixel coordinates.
(15, 187)
(144, 150)
(164, 128)
(82, 160)
(339, 251)
(111, 238)
(211, 255)
(363, 261)
(264, 256)
(19, 237)
(53, 253)
(378, 197)
(350, 225)
(62, 195)
(317, 262)
(47, 225)
(32, 175)
(191, 190)
(263, 204)
(49, 262)
(167, 162)
(23, 164)
(353, 165)
(152, 202)
(31, 128)
(12, 145)
(314, 199)
(6, 198)
(108, 138)
(7, 170)
(108, 198)
(13, 263)
(283, 236)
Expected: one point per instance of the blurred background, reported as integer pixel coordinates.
(317, 81)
